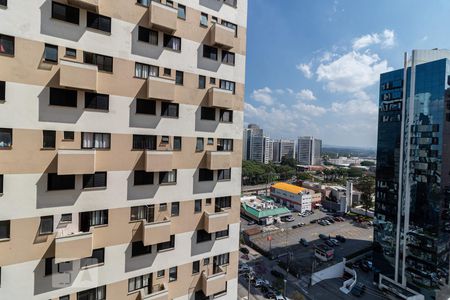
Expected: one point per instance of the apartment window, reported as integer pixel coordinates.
(93, 218)
(212, 80)
(69, 135)
(205, 175)
(148, 36)
(181, 11)
(66, 297)
(173, 274)
(224, 145)
(209, 52)
(4, 3)
(206, 261)
(103, 62)
(223, 233)
(144, 106)
(98, 293)
(169, 3)
(96, 101)
(167, 72)
(222, 259)
(6, 44)
(57, 182)
(172, 42)
(5, 137)
(144, 142)
(204, 19)
(162, 206)
(161, 273)
(2, 90)
(49, 262)
(165, 140)
(144, 71)
(70, 52)
(228, 57)
(46, 226)
(208, 201)
(143, 212)
(166, 245)
(224, 174)
(48, 139)
(65, 267)
(210, 141)
(201, 81)
(214, 19)
(168, 177)
(144, 2)
(200, 144)
(203, 236)
(226, 116)
(51, 53)
(222, 202)
(208, 113)
(227, 85)
(196, 267)
(5, 227)
(62, 97)
(197, 205)
(95, 140)
(99, 22)
(66, 218)
(179, 77)
(142, 177)
(1, 184)
(175, 209)
(177, 143)
(140, 282)
(65, 13)
(96, 180)
(169, 109)
(138, 249)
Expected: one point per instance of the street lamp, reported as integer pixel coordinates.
(284, 290)
(250, 278)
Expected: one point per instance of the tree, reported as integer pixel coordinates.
(366, 185)
(289, 161)
(367, 163)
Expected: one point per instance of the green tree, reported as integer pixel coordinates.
(289, 161)
(366, 185)
(367, 163)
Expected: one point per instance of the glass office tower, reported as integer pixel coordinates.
(412, 209)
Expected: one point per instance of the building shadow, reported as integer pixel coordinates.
(205, 125)
(58, 114)
(203, 247)
(212, 4)
(142, 48)
(143, 120)
(201, 187)
(206, 63)
(60, 29)
(140, 192)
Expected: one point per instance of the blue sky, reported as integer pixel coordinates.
(313, 65)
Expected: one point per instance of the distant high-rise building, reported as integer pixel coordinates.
(309, 150)
(246, 144)
(287, 149)
(276, 157)
(412, 198)
(256, 145)
(268, 150)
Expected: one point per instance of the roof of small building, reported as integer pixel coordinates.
(266, 212)
(294, 189)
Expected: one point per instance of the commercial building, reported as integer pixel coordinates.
(262, 210)
(412, 208)
(120, 148)
(292, 196)
(268, 150)
(287, 149)
(276, 155)
(309, 150)
(257, 143)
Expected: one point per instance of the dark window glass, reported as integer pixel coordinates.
(5, 229)
(163, 207)
(62, 97)
(179, 78)
(201, 81)
(224, 174)
(161, 273)
(103, 62)
(143, 178)
(144, 106)
(175, 209)
(98, 22)
(70, 52)
(210, 141)
(208, 113)
(227, 85)
(95, 140)
(195, 267)
(228, 57)
(199, 145)
(51, 53)
(167, 72)
(4, 2)
(6, 137)
(203, 19)
(138, 248)
(46, 226)
(222, 233)
(2, 90)
(65, 13)
(96, 101)
(166, 245)
(1, 183)
(222, 202)
(92, 218)
(144, 142)
(172, 42)
(212, 80)
(148, 35)
(205, 175)
(98, 293)
(181, 11)
(164, 140)
(66, 218)
(168, 177)
(198, 205)
(144, 71)
(143, 282)
(203, 236)
(57, 182)
(66, 297)
(209, 52)
(222, 259)
(226, 116)
(69, 135)
(173, 274)
(95, 180)
(49, 262)
(177, 143)
(208, 201)
(144, 2)
(98, 257)
(143, 212)
(6, 44)
(49, 139)
(224, 145)
(169, 109)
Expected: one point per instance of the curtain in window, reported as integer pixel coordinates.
(176, 44)
(101, 140)
(88, 140)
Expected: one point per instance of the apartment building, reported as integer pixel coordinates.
(120, 148)
(287, 149)
(309, 150)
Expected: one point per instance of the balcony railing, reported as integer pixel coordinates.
(222, 36)
(74, 162)
(216, 221)
(156, 232)
(214, 283)
(218, 160)
(160, 88)
(157, 292)
(158, 161)
(162, 16)
(73, 246)
(86, 4)
(78, 75)
(221, 98)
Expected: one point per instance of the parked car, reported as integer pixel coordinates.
(251, 223)
(304, 242)
(322, 222)
(323, 236)
(326, 222)
(340, 238)
(337, 219)
(313, 221)
(330, 220)
(301, 224)
(358, 290)
(277, 274)
(289, 219)
(244, 250)
(294, 226)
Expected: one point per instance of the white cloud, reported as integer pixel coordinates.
(310, 109)
(386, 39)
(355, 107)
(263, 95)
(305, 69)
(352, 72)
(306, 94)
